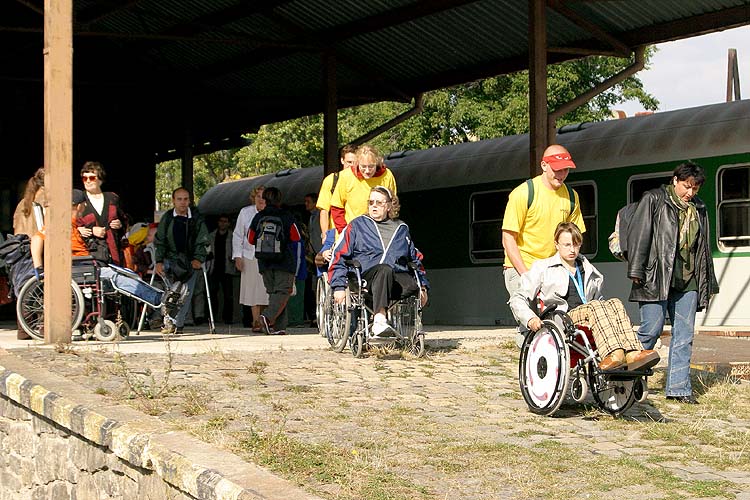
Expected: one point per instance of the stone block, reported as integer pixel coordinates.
(86, 456)
(19, 439)
(10, 482)
(43, 426)
(51, 460)
(22, 467)
(57, 490)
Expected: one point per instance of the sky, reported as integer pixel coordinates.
(693, 71)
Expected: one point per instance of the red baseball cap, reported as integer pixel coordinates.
(559, 161)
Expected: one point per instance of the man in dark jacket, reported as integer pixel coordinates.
(180, 244)
(277, 262)
(670, 264)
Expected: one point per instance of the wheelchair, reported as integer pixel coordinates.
(91, 296)
(561, 359)
(331, 317)
(351, 322)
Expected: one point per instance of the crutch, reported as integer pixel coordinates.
(151, 282)
(211, 324)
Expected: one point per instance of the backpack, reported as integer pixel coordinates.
(618, 240)
(571, 196)
(270, 241)
(16, 253)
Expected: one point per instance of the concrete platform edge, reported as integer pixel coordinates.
(141, 440)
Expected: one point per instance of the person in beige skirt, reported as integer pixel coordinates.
(253, 294)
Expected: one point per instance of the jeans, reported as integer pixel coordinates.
(681, 307)
(179, 321)
(128, 281)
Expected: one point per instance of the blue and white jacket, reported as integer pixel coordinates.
(361, 240)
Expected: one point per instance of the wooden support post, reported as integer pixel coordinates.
(537, 84)
(733, 77)
(187, 163)
(58, 158)
(330, 116)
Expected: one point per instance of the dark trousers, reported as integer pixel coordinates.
(223, 282)
(385, 285)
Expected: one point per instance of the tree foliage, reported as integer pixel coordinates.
(493, 107)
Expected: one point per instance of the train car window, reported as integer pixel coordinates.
(587, 198)
(639, 184)
(487, 211)
(734, 207)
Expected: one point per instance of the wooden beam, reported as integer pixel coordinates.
(31, 5)
(619, 47)
(187, 167)
(537, 83)
(330, 115)
(732, 17)
(58, 158)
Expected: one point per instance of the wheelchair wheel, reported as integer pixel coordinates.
(544, 369)
(322, 307)
(106, 332)
(406, 316)
(640, 389)
(337, 326)
(30, 307)
(612, 396)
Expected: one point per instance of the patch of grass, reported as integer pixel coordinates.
(357, 473)
(228, 374)
(196, 401)
(101, 391)
(298, 389)
(257, 367)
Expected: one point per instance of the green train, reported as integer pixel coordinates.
(454, 197)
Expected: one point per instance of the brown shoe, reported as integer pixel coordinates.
(610, 362)
(641, 360)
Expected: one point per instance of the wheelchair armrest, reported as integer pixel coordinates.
(547, 312)
(412, 266)
(353, 263)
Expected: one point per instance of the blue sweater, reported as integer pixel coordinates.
(362, 241)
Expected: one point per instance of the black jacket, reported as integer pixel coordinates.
(652, 247)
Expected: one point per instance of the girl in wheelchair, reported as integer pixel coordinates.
(383, 247)
(568, 281)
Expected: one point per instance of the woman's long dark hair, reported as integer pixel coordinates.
(35, 183)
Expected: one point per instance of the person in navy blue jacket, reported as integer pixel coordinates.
(383, 246)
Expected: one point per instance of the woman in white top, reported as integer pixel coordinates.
(253, 294)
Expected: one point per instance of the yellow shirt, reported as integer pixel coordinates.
(536, 225)
(352, 193)
(324, 197)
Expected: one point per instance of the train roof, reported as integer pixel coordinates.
(691, 133)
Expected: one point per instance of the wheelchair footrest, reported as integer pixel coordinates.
(621, 375)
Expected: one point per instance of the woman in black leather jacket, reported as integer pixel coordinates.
(670, 264)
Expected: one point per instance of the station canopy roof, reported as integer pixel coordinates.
(147, 70)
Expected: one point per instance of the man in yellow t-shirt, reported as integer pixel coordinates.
(352, 192)
(528, 232)
(348, 156)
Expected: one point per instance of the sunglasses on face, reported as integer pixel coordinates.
(89, 178)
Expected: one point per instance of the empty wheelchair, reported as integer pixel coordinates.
(351, 322)
(560, 360)
(95, 288)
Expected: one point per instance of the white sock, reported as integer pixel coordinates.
(380, 318)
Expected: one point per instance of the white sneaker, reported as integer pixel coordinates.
(382, 329)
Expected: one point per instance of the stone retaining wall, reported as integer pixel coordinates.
(54, 447)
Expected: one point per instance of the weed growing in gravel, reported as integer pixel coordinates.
(257, 367)
(144, 385)
(196, 400)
